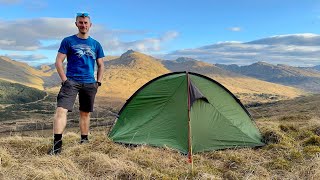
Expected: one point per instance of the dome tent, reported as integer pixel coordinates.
(188, 112)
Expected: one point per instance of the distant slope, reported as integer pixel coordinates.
(109, 58)
(302, 78)
(317, 68)
(246, 88)
(22, 73)
(189, 64)
(126, 74)
(14, 93)
(51, 78)
(299, 108)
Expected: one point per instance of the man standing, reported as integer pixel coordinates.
(82, 53)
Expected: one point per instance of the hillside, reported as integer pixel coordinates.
(291, 153)
(127, 73)
(124, 75)
(302, 78)
(246, 88)
(317, 68)
(14, 93)
(22, 73)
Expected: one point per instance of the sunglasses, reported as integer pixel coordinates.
(82, 14)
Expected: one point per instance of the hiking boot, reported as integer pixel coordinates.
(53, 151)
(84, 141)
(56, 148)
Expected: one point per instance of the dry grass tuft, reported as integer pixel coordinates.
(292, 152)
(287, 155)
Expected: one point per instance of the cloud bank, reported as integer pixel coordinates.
(28, 35)
(294, 49)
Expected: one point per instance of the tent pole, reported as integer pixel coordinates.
(190, 160)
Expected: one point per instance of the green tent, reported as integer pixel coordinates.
(188, 112)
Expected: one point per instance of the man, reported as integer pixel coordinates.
(82, 53)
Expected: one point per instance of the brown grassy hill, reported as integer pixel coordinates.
(302, 78)
(110, 58)
(18, 72)
(246, 88)
(124, 75)
(292, 152)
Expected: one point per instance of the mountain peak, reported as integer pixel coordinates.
(130, 51)
(134, 59)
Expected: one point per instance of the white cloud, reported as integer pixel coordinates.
(145, 45)
(304, 49)
(169, 35)
(235, 29)
(27, 35)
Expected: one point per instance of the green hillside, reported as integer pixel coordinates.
(14, 93)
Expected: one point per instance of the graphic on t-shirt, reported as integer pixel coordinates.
(83, 49)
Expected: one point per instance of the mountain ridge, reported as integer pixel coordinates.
(128, 72)
(303, 78)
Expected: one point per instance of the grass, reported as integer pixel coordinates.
(292, 152)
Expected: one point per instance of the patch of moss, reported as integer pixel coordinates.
(313, 140)
(311, 151)
(288, 127)
(279, 163)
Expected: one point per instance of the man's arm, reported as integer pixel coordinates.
(59, 66)
(100, 69)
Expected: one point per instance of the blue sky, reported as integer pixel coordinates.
(30, 31)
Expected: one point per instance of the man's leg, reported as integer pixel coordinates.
(84, 125)
(60, 120)
(59, 124)
(86, 100)
(65, 100)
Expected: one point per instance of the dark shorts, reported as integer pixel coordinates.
(69, 91)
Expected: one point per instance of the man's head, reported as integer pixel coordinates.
(83, 22)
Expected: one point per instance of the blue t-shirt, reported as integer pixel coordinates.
(81, 56)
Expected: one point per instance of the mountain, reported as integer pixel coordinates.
(302, 78)
(316, 68)
(46, 67)
(109, 58)
(124, 75)
(18, 72)
(248, 89)
(189, 64)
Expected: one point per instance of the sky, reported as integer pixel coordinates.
(214, 31)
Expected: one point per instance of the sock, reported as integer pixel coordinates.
(57, 142)
(84, 137)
